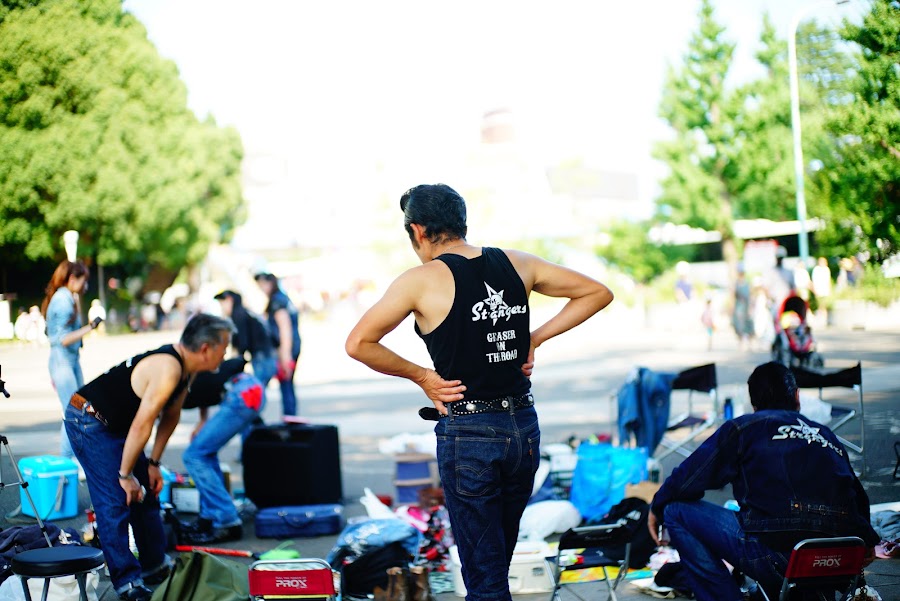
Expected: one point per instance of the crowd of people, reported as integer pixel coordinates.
(471, 306)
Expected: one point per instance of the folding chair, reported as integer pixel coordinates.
(293, 579)
(696, 379)
(846, 378)
(824, 565)
(589, 538)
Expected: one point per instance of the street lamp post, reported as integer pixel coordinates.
(795, 129)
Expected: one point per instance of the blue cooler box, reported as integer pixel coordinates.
(53, 484)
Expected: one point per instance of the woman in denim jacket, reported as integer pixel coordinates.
(62, 310)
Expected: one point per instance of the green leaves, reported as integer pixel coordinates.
(95, 135)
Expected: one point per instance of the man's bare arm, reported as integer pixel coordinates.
(158, 379)
(587, 295)
(364, 342)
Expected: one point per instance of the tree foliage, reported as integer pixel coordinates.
(95, 136)
(630, 251)
(694, 102)
(860, 184)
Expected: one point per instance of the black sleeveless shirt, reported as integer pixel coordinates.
(485, 338)
(111, 394)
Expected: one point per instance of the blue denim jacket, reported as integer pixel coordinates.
(644, 407)
(788, 473)
(59, 314)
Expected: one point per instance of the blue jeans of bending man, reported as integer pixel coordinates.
(704, 534)
(67, 378)
(100, 454)
(487, 464)
(241, 404)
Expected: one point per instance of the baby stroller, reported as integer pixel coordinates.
(794, 343)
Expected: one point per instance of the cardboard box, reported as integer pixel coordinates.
(642, 490)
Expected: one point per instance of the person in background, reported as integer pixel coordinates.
(62, 311)
(471, 310)
(821, 287)
(23, 323)
(37, 326)
(109, 421)
(240, 398)
(708, 319)
(791, 477)
(779, 281)
(253, 336)
(284, 323)
(740, 316)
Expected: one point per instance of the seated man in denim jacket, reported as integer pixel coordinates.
(791, 477)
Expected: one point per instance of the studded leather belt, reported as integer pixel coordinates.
(474, 407)
(81, 403)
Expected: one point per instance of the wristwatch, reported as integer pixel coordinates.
(127, 476)
(154, 462)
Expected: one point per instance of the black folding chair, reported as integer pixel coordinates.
(700, 379)
(586, 538)
(841, 415)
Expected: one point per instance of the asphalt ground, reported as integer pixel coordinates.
(575, 377)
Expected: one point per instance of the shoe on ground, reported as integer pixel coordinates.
(137, 593)
(216, 535)
(200, 525)
(159, 576)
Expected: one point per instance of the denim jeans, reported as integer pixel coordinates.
(244, 399)
(704, 534)
(65, 373)
(288, 394)
(487, 464)
(264, 366)
(100, 453)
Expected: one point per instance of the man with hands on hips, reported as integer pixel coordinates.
(109, 422)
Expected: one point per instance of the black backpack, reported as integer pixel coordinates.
(634, 512)
(363, 574)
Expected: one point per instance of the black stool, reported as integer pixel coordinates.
(66, 560)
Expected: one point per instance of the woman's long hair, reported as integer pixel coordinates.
(60, 278)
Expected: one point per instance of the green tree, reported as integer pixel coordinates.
(95, 135)
(634, 254)
(697, 190)
(860, 184)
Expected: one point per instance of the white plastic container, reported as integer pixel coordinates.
(529, 571)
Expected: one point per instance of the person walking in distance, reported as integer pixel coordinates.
(471, 309)
(62, 311)
(284, 322)
(109, 422)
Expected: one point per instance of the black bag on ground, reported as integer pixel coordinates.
(634, 512)
(363, 574)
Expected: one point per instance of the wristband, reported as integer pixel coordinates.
(127, 476)
(154, 462)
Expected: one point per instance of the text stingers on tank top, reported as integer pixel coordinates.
(495, 308)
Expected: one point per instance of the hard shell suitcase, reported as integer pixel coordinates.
(292, 464)
(302, 520)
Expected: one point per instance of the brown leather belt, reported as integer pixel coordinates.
(81, 403)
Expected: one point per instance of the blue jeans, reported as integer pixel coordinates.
(704, 534)
(244, 399)
(65, 373)
(100, 453)
(264, 366)
(487, 464)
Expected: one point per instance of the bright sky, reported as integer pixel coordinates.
(334, 85)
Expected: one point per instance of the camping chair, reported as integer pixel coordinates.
(846, 378)
(588, 537)
(823, 565)
(696, 379)
(292, 579)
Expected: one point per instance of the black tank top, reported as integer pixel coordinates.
(111, 394)
(486, 336)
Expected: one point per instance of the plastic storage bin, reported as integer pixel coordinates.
(528, 570)
(53, 484)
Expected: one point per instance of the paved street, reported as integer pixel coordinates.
(573, 381)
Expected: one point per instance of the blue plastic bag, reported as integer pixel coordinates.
(601, 474)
